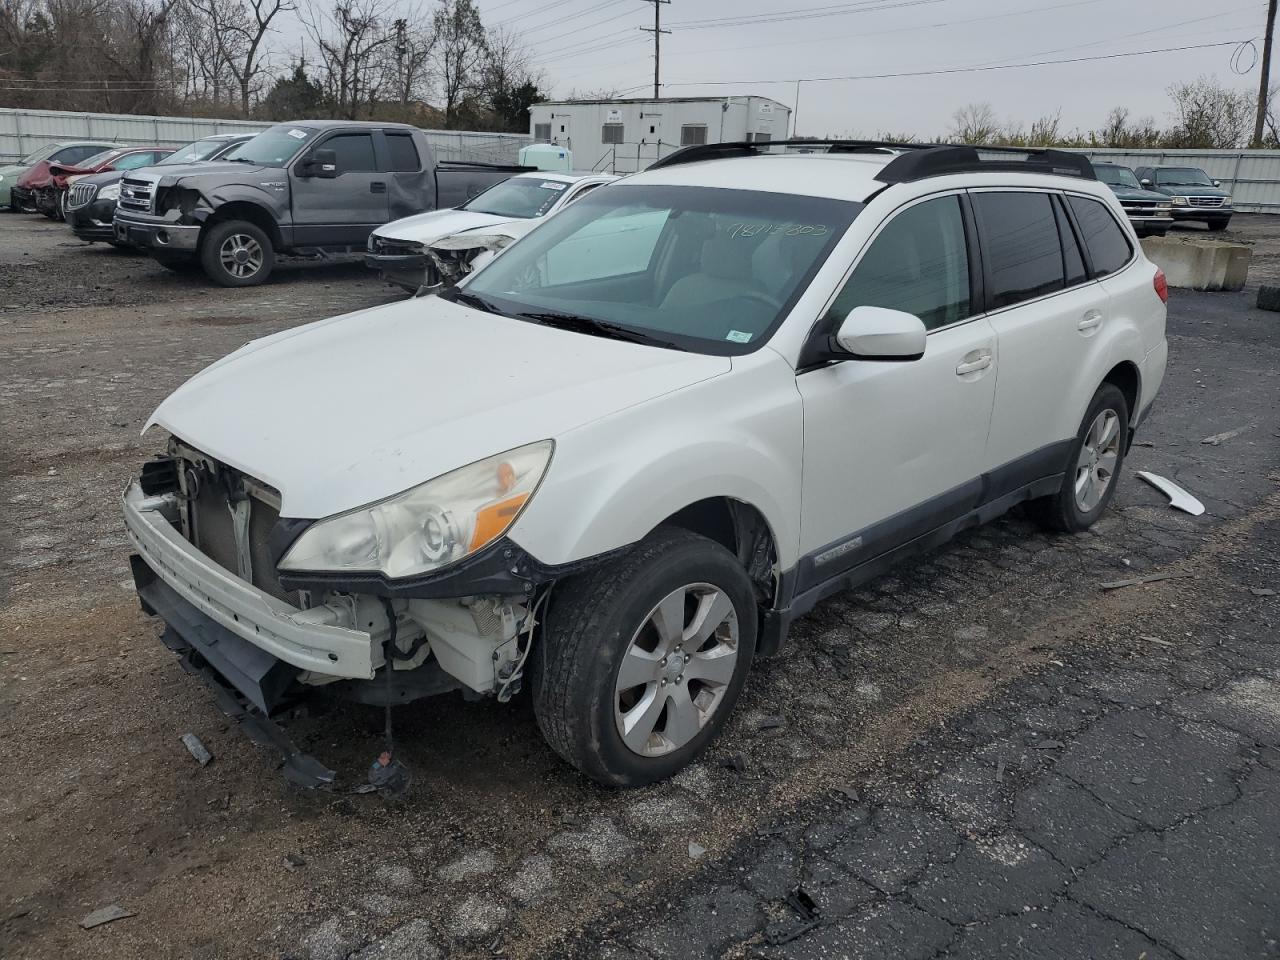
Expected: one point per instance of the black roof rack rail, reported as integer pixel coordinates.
(914, 161)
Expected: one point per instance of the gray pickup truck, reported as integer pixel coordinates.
(305, 188)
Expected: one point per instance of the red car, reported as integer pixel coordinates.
(46, 184)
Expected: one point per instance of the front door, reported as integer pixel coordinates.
(894, 449)
(343, 210)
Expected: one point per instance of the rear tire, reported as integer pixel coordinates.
(676, 604)
(237, 253)
(1093, 469)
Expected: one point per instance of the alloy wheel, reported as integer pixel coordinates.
(1096, 465)
(241, 255)
(676, 669)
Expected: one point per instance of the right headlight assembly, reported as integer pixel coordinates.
(428, 526)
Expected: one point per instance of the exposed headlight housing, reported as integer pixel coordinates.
(1180, 201)
(431, 525)
(110, 192)
(369, 244)
(1226, 201)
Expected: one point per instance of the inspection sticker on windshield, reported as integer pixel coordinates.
(738, 336)
(552, 185)
(298, 134)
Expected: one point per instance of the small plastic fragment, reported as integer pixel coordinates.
(294, 861)
(696, 850)
(389, 776)
(105, 915)
(1179, 499)
(197, 749)
(771, 723)
(1262, 591)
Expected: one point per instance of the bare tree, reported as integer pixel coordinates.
(460, 53)
(975, 123)
(510, 84)
(1210, 115)
(413, 49)
(354, 47)
(241, 27)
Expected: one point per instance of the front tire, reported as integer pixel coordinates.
(1218, 223)
(1093, 469)
(237, 253)
(642, 659)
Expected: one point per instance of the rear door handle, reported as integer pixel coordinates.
(377, 186)
(1090, 321)
(973, 363)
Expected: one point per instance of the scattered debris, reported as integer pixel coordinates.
(294, 861)
(848, 791)
(1179, 499)
(1047, 745)
(1157, 640)
(1000, 771)
(389, 776)
(800, 901)
(1262, 591)
(696, 850)
(737, 763)
(1143, 443)
(106, 915)
(1139, 781)
(771, 723)
(1149, 578)
(1218, 438)
(773, 831)
(197, 749)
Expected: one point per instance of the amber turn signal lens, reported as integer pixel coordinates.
(492, 521)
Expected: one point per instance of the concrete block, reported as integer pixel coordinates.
(1194, 263)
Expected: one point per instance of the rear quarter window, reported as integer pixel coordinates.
(1103, 237)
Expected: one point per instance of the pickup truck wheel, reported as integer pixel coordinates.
(237, 254)
(643, 659)
(1093, 469)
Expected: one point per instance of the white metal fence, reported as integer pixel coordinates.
(22, 131)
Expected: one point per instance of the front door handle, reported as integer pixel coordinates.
(1090, 321)
(377, 187)
(973, 363)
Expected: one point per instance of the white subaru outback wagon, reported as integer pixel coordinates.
(618, 461)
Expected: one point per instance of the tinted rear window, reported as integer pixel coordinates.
(404, 155)
(1108, 246)
(1020, 242)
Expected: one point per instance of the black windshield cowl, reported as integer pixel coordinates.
(473, 300)
(594, 327)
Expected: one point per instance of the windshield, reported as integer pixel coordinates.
(43, 153)
(274, 147)
(1183, 177)
(1117, 176)
(698, 268)
(193, 152)
(521, 198)
(96, 159)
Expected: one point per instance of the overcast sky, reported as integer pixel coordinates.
(592, 44)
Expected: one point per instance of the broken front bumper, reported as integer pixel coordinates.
(307, 639)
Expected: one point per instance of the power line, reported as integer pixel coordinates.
(810, 13)
(657, 32)
(954, 70)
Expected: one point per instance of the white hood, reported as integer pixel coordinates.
(426, 227)
(340, 413)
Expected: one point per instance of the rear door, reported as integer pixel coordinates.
(1047, 314)
(343, 210)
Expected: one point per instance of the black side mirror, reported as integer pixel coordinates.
(321, 163)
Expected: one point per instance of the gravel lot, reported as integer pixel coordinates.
(979, 755)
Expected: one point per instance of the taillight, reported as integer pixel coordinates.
(1161, 285)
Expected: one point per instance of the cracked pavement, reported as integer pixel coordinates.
(980, 754)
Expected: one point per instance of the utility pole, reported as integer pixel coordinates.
(1264, 86)
(657, 32)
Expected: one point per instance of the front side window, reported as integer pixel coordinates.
(1182, 177)
(1107, 245)
(693, 134)
(274, 147)
(1021, 246)
(611, 133)
(919, 263)
(354, 152)
(699, 268)
(521, 198)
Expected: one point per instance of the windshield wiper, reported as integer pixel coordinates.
(473, 300)
(597, 328)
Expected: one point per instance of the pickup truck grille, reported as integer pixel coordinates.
(135, 195)
(82, 193)
(213, 526)
(1205, 201)
(1145, 208)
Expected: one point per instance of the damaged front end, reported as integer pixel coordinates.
(208, 541)
(461, 254)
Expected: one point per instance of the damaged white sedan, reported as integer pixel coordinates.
(620, 460)
(420, 251)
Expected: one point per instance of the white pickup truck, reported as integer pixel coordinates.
(620, 459)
